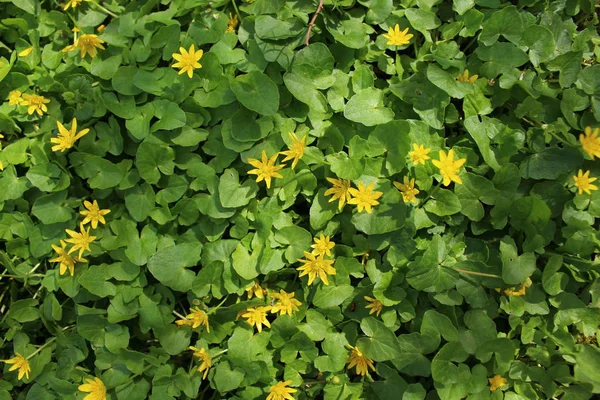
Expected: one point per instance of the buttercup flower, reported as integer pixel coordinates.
(296, 149)
(361, 362)
(364, 197)
(375, 305)
(35, 103)
(88, 44)
(396, 37)
(322, 246)
(19, 362)
(196, 318)
(257, 316)
(67, 262)
(340, 190)
(408, 190)
(281, 391)
(583, 182)
(448, 167)
(80, 240)
(96, 389)
(419, 154)
(206, 359)
(316, 265)
(232, 23)
(590, 142)
(71, 3)
(522, 290)
(496, 382)
(15, 98)
(255, 290)
(265, 169)
(67, 138)
(188, 60)
(286, 303)
(93, 214)
(26, 52)
(465, 77)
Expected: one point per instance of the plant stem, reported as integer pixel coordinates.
(464, 271)
(95, 3)
(312, 22)
(235, 7)
(214, 309)
(41, 348)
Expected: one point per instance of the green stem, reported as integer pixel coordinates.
(95, 4)
(41, 348)
(235, 7)
(214, 309)
(464, 271)
(430, 195)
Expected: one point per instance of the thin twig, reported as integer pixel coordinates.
(312, 22)
(464, 271)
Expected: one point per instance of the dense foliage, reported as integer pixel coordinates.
(196, 204)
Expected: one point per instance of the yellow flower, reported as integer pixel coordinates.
(35, 103)
(80, 240)
(316, 265)
(188, 60)
(408, 190)
(281, 391)
(257, 316)
(94, 214)
(590, 141)
(448, 167)
(15, 98)
(67, 138)
(419, 154)
(340, 190)
(232, 23)
(376, 306)
(265, 169)
(464, 77)
(364, 197)
(66, 261)
(286, 303)
(206, 360)
(396, 37)
(521, 292)
(88, 43)
(296, 149)
(196, 318)
(583, 182)
(496, 382)
(19, 362)
(361, 362)
(26, 52)
(322, 246)
(101, 28)
(96, 389)
(71, 3)
(255, 290)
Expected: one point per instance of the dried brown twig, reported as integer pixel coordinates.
(312, 22)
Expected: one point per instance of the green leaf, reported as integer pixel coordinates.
(232, 194)
(169, 265)
(381, 343)
(95, 281)
(152, 158)
(256, 92)
(169, 114)
(367, 108)
(515, 268)
(305, 91)
(331, 296)
(444, 202)
(50, 208)
(551, 163)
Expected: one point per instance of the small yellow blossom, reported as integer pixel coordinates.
(255, 290)
(35, 103)
(257, 316)
(316, 265)
(464, 77)
(286, 303)
(322, 246)
(67, 261)
(340, 190)
(496, 382)
(101, 28)
(364, 197)
(188, 60)
(15, 98)
(419, 154)
(296, 149)
(522, 290)
(196, 318)
(583, 182)
(265, 168)
(590, 141)
(232, 23)
(206, 359)
(71, 3)
(448, 167)
(26, 52)
(66, 138)
(360, 361)
(88, 44)
(396, 37)
(281, 391)
(375, 305)
(96, 389)
(80, 240)
(19, 362)
(408, 190)
(93, 214)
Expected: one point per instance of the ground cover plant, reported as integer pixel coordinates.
(270, 199)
